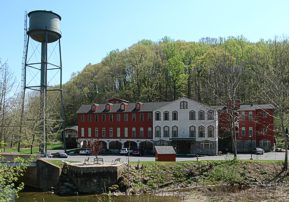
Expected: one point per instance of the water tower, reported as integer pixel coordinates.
(42, 58)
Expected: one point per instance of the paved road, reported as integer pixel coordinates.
(110, 158)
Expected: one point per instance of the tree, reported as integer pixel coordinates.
(273, 81)
(9, 176)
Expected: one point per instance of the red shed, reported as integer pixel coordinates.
(165, 153)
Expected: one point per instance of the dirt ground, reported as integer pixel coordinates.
(268, 194)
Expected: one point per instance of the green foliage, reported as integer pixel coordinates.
(166, 70)
(227, 172)
(9, 176)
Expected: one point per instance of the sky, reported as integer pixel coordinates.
(92, 28)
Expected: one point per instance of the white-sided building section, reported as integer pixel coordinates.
(189, 126)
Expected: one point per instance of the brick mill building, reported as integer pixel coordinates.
(189, 126)
(254, 127)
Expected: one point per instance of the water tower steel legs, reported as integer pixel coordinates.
(43, 96)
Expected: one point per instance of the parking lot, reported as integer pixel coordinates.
(125, 159)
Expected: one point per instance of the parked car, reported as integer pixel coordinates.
(259, 151)
(85, 152)
(123, 151)
(136, 152)
(58, 155)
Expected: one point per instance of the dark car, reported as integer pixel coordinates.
(259, 151)
(136, 152)
(58, 155)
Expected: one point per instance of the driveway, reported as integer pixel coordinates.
(110, 158)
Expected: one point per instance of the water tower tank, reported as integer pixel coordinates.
(44, 24)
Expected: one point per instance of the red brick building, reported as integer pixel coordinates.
(120, 124)
(254, 125)
(117, 124)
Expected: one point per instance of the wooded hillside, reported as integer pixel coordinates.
(212, 71)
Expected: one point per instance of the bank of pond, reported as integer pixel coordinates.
(173, 181)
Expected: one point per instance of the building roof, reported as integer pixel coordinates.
(249, 107)
(256, 106)
(165, 150)
(72, 128)
(146, 107)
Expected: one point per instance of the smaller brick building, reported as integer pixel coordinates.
(254, 127)
(165, 153)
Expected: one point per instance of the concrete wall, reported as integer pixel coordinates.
(47, 175)
(89, 179)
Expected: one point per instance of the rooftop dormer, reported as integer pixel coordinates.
(138, 106)
(123, 106)
(94, 107)
(108, 107)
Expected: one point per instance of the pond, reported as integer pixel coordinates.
(48, 197)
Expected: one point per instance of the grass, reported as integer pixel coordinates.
(150, 176)
(59, 163)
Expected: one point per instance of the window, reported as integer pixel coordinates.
(201, 131)
(82, 118)
(207, 145)
(107, 107)
(82, 132)
(210, 115)
(103, 132)
(183, 105)
(125, 132)
(243, 116)
(264, 114)
(175, 131)
(250, 116)
(103, 117)
(192, 115)
(201, 115)
(211, 131)
(192, 131)
(117, 117)
(142, 116)
(141, 133)
(175, 115)
(133, 116)
(89, 132)
(158, 131)
(133, 130)
(157, 116)
(166, 116)
(111, 117)
(122, 107)
(150, 134)
(96, 118)
(125, 117)
(117, 132)
(150, 116)
(264, 131)
(96, 132)
(250, 131)
(166, 131)
(89, 118)
(243, 131)
(110, 132)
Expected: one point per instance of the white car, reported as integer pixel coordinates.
(123, 151)
(85, 152)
